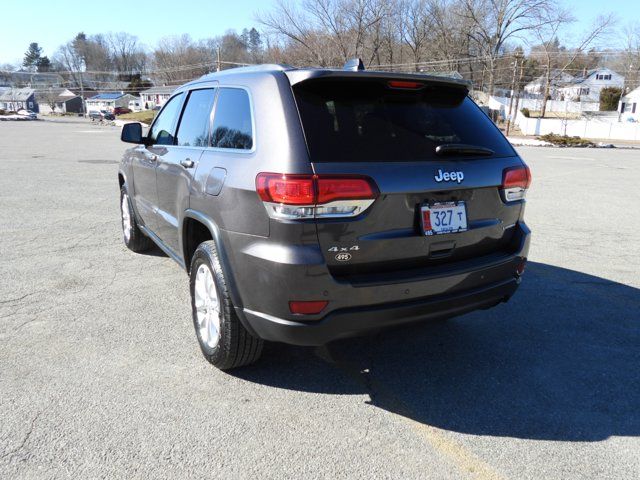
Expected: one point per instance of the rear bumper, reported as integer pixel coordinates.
(355, 321)
(358, 309)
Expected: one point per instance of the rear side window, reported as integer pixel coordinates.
(194, 125)
(232, 126)
(367, 121)
(163, 129)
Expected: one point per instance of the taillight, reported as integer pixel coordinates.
(515, 182)
(315, 196)
(287, 189)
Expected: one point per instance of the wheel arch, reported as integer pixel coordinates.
(193, 217)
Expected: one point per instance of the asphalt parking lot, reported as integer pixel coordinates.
(101, 375)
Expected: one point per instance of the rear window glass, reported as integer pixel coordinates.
(366, 121)
(232, 126)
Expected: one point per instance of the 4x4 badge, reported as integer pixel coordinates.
(449, 176)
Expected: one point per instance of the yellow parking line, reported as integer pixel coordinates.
(456, 453)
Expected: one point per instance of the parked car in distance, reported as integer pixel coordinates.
(98, 116)
(27, 113)
(121, 110)
(308, 205)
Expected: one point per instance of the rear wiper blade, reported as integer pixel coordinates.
(462, 149)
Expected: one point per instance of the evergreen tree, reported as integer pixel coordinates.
(43, 64)
(32, 55)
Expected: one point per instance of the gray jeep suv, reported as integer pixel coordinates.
(309, 205)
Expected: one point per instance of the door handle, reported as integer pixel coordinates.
(186, 163)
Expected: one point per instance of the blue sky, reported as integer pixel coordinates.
(53, 22)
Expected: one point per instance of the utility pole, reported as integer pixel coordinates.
(513, 91)
(218, 59)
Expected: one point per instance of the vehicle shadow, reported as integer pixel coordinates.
(560, 361)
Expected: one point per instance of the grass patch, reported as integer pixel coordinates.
(145, 116)
(564, 141)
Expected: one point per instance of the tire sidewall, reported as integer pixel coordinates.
(203, 255)
(123, 192)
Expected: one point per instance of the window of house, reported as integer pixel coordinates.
(194, 125)
(163, 129)
(232, 125)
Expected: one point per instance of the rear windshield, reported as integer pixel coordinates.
(367, 121)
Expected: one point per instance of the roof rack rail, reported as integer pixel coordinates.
(354, 64)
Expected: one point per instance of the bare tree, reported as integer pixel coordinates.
(330, 31)
(177, 59)
(127, 54)
(548, 33)
(70, 57)
(416, 26)
(493, 23)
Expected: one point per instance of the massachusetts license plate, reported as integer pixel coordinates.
(438, 218)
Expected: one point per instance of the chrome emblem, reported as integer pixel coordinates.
(448, 176)
(343, 257)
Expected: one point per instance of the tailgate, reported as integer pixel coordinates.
(390, 130)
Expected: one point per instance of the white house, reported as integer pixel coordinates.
(155, 96)
(536, 87)
(587, 87)
(58, 100)
(629, 106)
(109, 101)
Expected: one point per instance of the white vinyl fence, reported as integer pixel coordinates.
(607, 128)
(502, 104)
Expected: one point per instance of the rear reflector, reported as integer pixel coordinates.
(314, 196)
(307, 308)
(521, 266)
(405, 84)
(515, 182)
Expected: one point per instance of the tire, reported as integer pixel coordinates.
(224, 341)
(133, 237)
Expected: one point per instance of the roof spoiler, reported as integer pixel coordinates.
(354, 65)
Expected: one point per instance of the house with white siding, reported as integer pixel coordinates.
(155, 96)
(587, 87)
(109, 101)
(629, 106)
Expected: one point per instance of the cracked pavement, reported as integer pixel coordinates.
(101, 375)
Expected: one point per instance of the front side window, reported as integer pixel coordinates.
(232, 126)
(194, 125)
(163, 130)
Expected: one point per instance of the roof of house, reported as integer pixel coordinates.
(632, 95)
(581, 78)
(557, 78)
(159, 90)
(16, 94)
(107, 96)
(60, 94)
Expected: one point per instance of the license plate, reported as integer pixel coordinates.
(439, 218)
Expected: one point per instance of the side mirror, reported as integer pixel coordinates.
(132, 133)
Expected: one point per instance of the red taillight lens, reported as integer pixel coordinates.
(515, 182)
(286, 189)
(405, 84)
(344, 188)
(312, 189)
(307, 308)
(516, 177)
